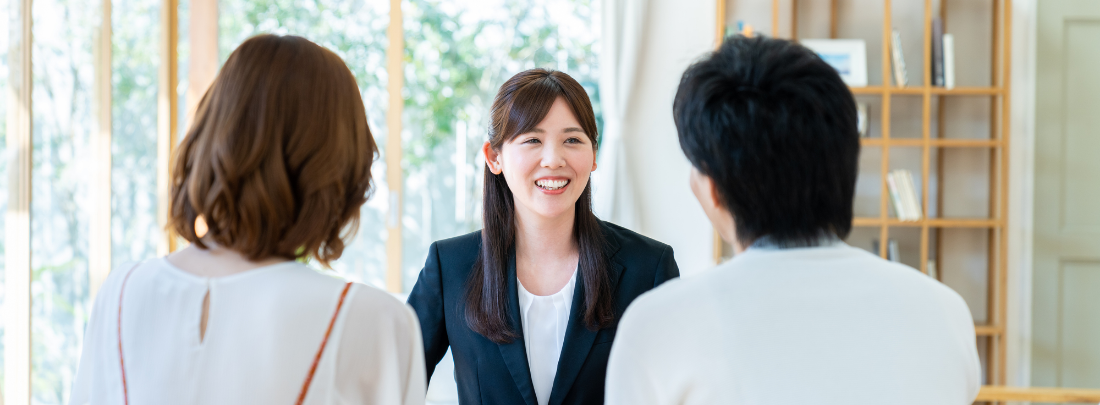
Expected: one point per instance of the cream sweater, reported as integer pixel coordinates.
(822, 325)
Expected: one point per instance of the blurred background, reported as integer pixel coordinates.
(98, 92)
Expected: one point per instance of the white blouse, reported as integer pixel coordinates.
(264, 329)
(544, 321)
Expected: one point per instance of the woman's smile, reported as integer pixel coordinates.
(552, 185)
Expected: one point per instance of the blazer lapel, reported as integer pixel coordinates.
(515, 353)
(578, 338)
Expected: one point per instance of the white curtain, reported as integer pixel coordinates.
(620, 47)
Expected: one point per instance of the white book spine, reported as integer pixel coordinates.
(948, 61)
(899, 195)
(895, 195)
(903, 190)
(901, 77)
(915, 210)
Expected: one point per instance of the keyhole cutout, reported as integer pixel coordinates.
(205, 316)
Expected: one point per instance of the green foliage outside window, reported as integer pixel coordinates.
(457, 54)
(355, 30)
(63, 123)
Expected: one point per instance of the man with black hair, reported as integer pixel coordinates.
(797, 316)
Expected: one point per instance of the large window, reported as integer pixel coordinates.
(6, 17)
(456, 54)
(355, 30)
(134, 58)
(64, 119)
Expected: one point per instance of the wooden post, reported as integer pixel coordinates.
(394, 174)
(941, 127)
(99, 249)
(926, 137)
(166, 117)
(884, 196)
(832, 19)
(720, 24)
(775, 18)
(794, 20)
(1002, 249)
(17, 282)
(202, 66)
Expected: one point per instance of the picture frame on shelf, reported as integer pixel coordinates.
(847, 56)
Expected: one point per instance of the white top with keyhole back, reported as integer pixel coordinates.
(264, 329)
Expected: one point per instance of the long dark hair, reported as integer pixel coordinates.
(522, 102)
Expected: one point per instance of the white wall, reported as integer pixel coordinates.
(677, 33)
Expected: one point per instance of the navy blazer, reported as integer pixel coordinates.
(490, 373)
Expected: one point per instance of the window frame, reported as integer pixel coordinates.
(18, 343)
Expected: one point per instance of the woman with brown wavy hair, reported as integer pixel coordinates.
(528, 304)
(275, 167)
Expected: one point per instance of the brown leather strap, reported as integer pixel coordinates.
(317, 359)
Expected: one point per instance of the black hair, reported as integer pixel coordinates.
(774, 127)
(520, 104)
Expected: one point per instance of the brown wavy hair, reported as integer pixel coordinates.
(277, 162)
(520, 104)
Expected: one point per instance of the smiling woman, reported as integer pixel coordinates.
(544, 281)
(458, 52)
(534, 133)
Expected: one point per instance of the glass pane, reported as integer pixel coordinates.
(64, 65)
(134, 61)
(457, 55)
(7, 20)
(355, 30)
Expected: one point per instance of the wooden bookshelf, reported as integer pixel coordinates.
(931, 141)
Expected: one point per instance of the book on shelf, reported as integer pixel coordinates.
(901, 77)
(948, 61)
(863, 120)
(932, 271)
(903, 194)
(892, 253)
(740, 28)
(937, 52)
(895, 196)
(913, 198)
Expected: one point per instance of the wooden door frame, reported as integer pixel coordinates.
(1021, 179)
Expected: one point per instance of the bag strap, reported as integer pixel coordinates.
(317, 359)
(121, 360)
